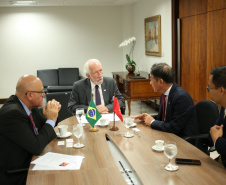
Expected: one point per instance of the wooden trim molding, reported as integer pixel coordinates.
(175, 16)
(3, 100)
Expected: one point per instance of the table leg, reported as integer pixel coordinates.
(129, 102)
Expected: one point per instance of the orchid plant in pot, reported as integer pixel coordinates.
(131, 65)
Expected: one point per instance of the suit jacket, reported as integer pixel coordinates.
(81, 94)
(220, 144)
(18, 142)
(180, 117)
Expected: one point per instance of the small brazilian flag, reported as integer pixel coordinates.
(92, 114)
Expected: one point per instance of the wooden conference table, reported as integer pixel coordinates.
(98, 166)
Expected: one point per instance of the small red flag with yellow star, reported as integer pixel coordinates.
(116, 109)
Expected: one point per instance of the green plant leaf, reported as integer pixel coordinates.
(128, 59)
(126, 66)
(133, 63)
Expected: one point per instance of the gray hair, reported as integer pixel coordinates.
(87, 64)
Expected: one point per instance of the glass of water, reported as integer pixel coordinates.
(170, 150)
(79, 113)
(128, 123)
(78, 131)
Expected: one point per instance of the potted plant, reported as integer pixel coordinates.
(131, 65)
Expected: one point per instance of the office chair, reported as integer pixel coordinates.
(207, 113)
(123, 110)
(63, 98)
(67, 76)
(49, 77)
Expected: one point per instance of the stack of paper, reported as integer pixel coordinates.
(55, 161)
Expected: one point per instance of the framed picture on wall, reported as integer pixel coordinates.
(152, 27)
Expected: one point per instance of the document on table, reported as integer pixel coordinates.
(110, 117)
(56, 161)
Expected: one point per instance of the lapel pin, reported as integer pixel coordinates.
(104, 89)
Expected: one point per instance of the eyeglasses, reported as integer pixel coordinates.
(42, 92)
(209, 88)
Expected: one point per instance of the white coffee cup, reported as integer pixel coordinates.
(159, 144)
(63, 130)
(103, 121)
(128, 120)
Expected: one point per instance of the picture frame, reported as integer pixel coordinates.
(152, 27)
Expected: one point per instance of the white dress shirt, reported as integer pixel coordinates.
(94, 95)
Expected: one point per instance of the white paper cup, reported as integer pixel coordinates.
(63, 130)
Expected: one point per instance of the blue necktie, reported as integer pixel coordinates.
(97, 95)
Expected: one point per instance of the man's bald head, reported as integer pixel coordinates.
(27, 83)
(29, 90)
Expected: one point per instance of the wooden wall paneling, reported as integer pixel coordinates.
(193, 56)
(216, 45)
(216, 4)
(192, 7)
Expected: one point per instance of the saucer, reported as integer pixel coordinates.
(128, 135)
(100, 125)
(133, 125)
(103, 125)
(67, 135)
(158, 149)
(81, 146)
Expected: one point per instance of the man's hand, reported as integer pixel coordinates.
(215, 132)
(102, 109)
(146, 118)
(51, 110)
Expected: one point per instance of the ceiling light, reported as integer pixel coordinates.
(22, 3)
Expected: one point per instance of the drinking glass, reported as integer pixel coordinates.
(79, 113)
(127, 123)
(170, 150)
(78, 131)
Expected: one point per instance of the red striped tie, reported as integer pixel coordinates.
(33, 123)
(163, 106)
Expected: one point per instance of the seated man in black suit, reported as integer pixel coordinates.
(101, 89)
(176, 111)
(217, 90)
(24, 132)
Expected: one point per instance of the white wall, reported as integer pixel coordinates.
(140, 11)
(51, 37)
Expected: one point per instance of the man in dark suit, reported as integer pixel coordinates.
(217, 89)
(24, 132)
(94, 86)
(178, 116)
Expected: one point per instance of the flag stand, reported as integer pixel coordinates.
(93, 129)
(114, 128)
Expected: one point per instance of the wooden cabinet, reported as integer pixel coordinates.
(135, 89)
(202, 43)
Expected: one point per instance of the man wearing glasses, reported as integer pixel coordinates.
(217, 89)
(24, 131)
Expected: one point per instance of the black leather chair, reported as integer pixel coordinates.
(67, 76)
(63, 98)
(207, 114)
(59, 88)
(123, 110)
(48, 77)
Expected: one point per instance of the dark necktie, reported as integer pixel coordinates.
(163, 106)
(33, 123)
(97, 94)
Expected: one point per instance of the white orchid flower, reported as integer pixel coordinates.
(127, 42)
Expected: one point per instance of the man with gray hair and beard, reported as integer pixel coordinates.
(95, 86)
